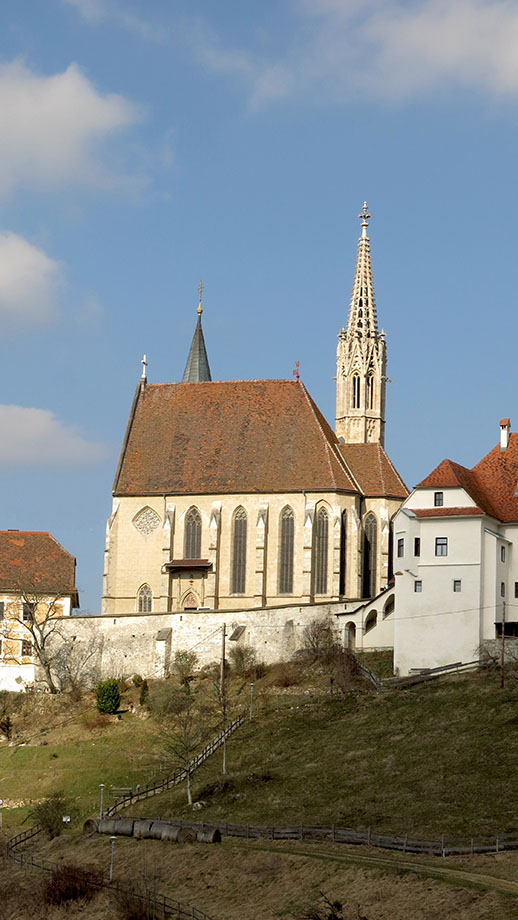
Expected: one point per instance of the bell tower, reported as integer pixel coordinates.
(361, 358)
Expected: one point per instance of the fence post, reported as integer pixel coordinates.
(496, 841)
(333, 833)
(442, 846)
(472, 846)
(301, 832)
(404, 844)
(368, 837)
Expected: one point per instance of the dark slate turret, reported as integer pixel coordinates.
(197, 368)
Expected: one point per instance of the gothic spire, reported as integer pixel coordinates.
(361, 358)
(362, 311)
(197, 368)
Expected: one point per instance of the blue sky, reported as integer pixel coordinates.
(146, 145)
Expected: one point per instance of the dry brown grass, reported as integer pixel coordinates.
(239, 882)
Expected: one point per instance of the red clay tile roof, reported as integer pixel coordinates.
(33, 562)
(446, 512)
(492, 483)
(231, 436)
(373, 470)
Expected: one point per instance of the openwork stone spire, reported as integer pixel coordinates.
(361, 358)
(197, 368)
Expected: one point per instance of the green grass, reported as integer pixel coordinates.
(437, 758)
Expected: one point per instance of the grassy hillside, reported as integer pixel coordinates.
(438, 758)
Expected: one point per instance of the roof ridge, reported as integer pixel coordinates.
(393, 468)
(328, 445)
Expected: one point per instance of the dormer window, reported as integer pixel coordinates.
(438, 499)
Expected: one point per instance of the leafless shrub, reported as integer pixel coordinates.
(185, 662)
(49, 813)
(70, 883)
(326, 909)
(319, 639)
(242, 658)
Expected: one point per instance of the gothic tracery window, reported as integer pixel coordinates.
(192, 540)
(356, 391)
(321, 551)
(369, 392)
(239, 552)
(286, 552)
(144, 599)
(370, 553)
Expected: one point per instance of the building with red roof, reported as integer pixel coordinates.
(238, 494)
(455, 560)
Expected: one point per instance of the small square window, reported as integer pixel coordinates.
(26, 647)
(438, 499)
(417, 546)
(502, 553)
(400, 547)
(2, 610)
(28, 613)
(502, 589)
(418, 587)
(457, 585)
(441, 546)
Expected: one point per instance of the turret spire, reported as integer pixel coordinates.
(361, 357)
(197, 368)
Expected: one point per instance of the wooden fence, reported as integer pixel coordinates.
(441, 846)
(388, 683)
(159, 906)
(151, 789)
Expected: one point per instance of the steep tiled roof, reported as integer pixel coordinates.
(33, 562)
(447, 512)
(492, 483)
(231, 436)
(373, 470)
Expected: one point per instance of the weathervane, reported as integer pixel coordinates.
(295, 371)
(144, 365)
(200, 292)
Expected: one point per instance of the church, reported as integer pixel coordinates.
(269, 506)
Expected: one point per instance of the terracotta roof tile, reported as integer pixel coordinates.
(492, 483)
(35, 561)
(231, 436)
(446, 512)
(373, 470)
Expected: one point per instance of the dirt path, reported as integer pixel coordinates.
(448, 874)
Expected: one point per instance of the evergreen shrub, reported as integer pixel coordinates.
(108, 695)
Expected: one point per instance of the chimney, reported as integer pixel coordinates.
(505, 427)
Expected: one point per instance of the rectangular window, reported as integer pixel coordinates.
(2, 608)
(417, 546)
(457, 585)
(28, 612)
(441, 546)
(26, 647)
(502, 553)
(502, 589)
(418, 587)
(438, 499)
(516, 589)
(401, 547)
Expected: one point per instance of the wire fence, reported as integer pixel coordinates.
(151, 789)
(158, 906)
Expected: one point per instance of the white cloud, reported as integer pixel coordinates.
(56, 127)
(96, 11)
(29, 284)
(35, 437)
(339, 49)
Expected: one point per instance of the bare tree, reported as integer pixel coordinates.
(40, 614)
(186, 732)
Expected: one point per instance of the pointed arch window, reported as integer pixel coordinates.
(356, 391)
(144, 599)
(370, 555)
(343, 553)
(239, 552)
(321, 551)
(286, 552)
(369, 392)
(192, 541)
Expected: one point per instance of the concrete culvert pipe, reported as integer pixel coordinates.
(142, 827)
(187, 835)
(157, 828)
(209, 835)
(107, 825)
(170, 832)
(123, 827)
(90, 826)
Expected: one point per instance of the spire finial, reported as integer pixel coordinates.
(364, 217)
(144, 365)
(200, 292)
